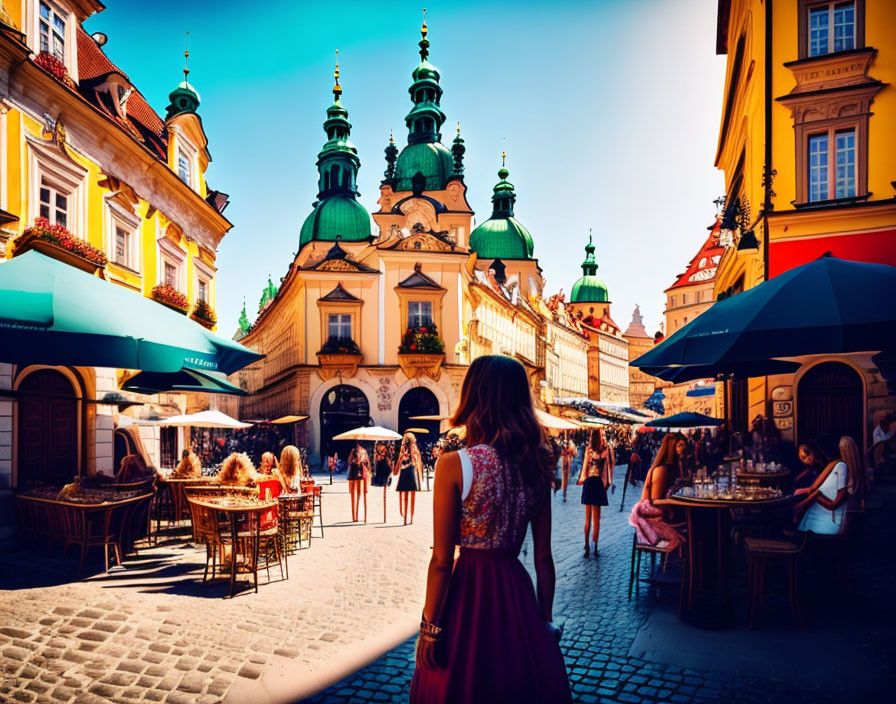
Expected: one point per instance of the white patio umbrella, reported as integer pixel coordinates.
(205, 419)
(371, 433)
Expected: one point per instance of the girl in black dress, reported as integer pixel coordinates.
(409, 465)
(596, 476)
(358, 469)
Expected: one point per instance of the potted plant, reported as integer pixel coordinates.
(338, 356)
(204, 314)
(57, 242)
(421, 352)
(171, 297)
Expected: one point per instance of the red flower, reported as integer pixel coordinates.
(413, 346)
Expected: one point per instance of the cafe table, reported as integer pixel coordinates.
(244, 516)
(706, 585)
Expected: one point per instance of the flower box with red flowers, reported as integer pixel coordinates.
(57, 242)
(171, 297)
(421, 352)
(204, 314)
(339, 356)
(54, 67)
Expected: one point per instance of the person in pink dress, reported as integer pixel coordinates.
(487, 634)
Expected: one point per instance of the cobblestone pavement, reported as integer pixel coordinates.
(155, 633)
(618, 650)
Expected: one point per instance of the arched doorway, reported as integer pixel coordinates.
(47, 429)
(419, 401)
(342, 408)
(829, 405)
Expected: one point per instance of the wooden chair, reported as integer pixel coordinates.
(638, 550)
(761, 554)
(316, 490)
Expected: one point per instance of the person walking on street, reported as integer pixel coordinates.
(596, 476)
(486, 634)
(409, 467)
(358, 470)
(567, 456)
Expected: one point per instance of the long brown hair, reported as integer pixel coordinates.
(666, 455)
(597, 441)
(496, 409)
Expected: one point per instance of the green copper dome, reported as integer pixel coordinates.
(337, 211)
(334, 217)
(430, 159)
(589, 289)
(425, 164)
(502, 236)
(184, 98)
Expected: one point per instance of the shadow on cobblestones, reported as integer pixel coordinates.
(621, 650)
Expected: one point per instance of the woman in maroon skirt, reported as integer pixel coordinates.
(486, 635)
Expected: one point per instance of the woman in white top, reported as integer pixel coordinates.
(829, 494)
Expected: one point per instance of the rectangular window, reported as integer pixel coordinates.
(419, 314)
(122, 246)
(339, 326)
(845, 159)
(818, 167)
(51, 26)
(832, 27)
(53, 203)
(171, 275)
(202, 293)
(684, 299)
(837, 148)
(183, 167)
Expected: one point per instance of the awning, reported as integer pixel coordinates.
(185, 380)
(52, 313)
(205, 419)
(701, 391)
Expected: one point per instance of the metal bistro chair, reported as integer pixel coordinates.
(638, 550)
(295, 517)
(309, 487)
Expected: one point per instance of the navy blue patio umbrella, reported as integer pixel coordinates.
(685, 420)
(827, 306)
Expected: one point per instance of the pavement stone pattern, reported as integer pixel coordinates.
(155, 633)
(601, 625)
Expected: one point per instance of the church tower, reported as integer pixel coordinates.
(423, 190)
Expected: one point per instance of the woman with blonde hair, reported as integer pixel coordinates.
(289, 469)
(487, 634)
(596, 476)
(268, 464)
(823, 507)
(409, 466)
(647, 519)
(237, 470)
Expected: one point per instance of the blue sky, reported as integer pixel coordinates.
(609, 112)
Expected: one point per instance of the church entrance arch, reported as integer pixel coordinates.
(342, 408)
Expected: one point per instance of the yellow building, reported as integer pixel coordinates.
(809, 154)
(378, 317)
(81, 148)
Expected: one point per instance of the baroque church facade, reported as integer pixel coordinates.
(379, 316)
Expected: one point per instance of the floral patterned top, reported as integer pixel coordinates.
(497, 511)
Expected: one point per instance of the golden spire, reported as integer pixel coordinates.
(424, 42)
(458, 128)
(391, 138)
(187, 57)
(503, 159)
(337, 89)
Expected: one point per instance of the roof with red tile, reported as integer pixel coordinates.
(702, 268)
(94, 65)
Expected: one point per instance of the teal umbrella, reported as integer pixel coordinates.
(184, 380)
(51, 313)
(828, 306)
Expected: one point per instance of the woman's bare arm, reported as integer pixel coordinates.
(446, 523)
(544, 560)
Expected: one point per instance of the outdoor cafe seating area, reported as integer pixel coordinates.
(242, 528)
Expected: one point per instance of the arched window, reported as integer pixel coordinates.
(334, 175)
(342, 408)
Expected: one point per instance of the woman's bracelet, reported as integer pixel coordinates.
(429, 630)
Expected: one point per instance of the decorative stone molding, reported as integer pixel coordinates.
(416, 365)
(341, 365)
